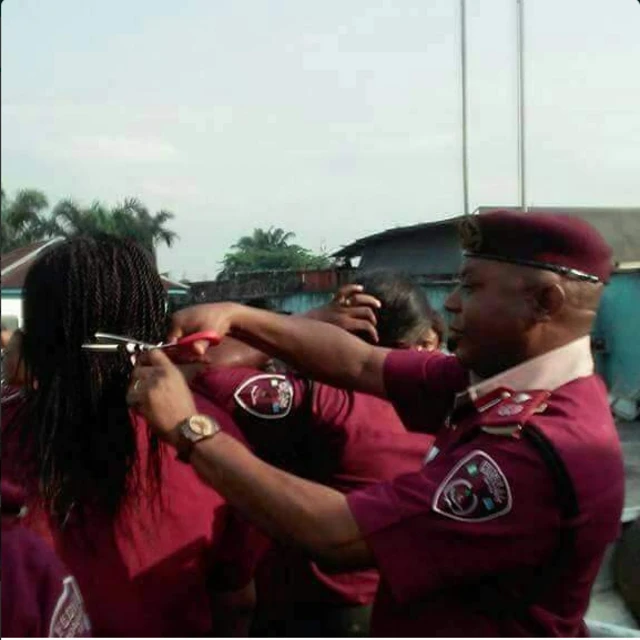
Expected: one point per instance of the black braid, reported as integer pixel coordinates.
(75, 427)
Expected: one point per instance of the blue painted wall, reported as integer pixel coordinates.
(301, 302)
(618, 324)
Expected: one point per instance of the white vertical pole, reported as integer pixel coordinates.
(522, 176)
(463, 97)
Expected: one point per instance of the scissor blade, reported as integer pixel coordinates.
(102, 347)
(112, 337)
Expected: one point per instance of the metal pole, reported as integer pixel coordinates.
(522, 178)
(463, 97)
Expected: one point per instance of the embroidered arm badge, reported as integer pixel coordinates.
(475, 490)
(267, 396)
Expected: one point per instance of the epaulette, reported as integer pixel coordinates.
(503, 411)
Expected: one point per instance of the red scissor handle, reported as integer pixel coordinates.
(180, 351)
(207, 336)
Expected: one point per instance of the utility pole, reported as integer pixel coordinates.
(463, 98)
(522, 176)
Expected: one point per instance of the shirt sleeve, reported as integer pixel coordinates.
(422, 386)
(43, 576)
(429, 530)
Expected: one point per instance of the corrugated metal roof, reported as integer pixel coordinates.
(620, 226)
(13, 259)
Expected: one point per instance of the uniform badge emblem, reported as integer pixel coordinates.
(475, 490)
(69, 619)
(469, 232)
(267, 396)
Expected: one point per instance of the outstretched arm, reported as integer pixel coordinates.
(316, 349)
(310, 515)
(351, 309)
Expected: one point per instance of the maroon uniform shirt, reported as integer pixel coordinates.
(459, 543)
(148, 573)
(39, 596)
(342, 439)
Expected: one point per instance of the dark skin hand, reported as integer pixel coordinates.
(350, 309)
(289, 508)
(323, 352)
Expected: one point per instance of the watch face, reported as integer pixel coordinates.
(201, 425)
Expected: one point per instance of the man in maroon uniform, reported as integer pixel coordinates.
(39, 596)
(343, 439)
(503, 530)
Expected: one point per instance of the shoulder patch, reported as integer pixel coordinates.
(475, 490)
(268, 396)
(69, 619)
(508, 408)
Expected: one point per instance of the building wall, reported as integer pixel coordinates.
(12, 305)
(617, 325)
(301, 302)
(433, 251)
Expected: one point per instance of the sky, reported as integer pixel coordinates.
(333, 119)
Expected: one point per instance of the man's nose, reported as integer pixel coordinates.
(452, 303)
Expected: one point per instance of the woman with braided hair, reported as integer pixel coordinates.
(148, 543)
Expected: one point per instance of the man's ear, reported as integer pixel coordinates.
(549, 300)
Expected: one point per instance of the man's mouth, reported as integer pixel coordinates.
(453, 339)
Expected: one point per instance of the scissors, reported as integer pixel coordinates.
(111, 343)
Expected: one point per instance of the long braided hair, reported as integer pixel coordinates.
(75, 427)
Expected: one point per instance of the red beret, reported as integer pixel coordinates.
(564, 244)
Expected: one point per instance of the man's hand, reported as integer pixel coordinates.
(216, 317)
(159, 391)
(350, 309)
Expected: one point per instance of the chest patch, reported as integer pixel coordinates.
(268, 396)
(474, 490)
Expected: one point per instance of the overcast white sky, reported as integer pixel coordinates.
(330, 118)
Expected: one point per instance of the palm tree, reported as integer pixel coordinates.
(132, 219)
(268, 250)
(71, 219)
(22, 220)
(261, 240)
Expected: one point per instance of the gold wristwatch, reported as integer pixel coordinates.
(193, 430)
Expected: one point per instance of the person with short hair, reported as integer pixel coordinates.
(503, 530)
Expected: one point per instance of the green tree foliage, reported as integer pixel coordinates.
(269, 250)
(131, 219)
(24, 222)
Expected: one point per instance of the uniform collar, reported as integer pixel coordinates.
(548, 371)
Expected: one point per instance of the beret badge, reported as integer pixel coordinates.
(469, 232)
